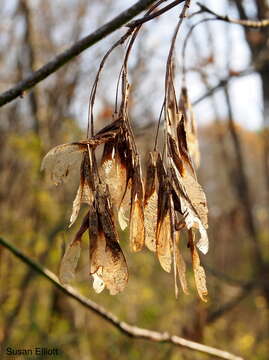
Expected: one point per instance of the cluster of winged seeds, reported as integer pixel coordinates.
(156, 210)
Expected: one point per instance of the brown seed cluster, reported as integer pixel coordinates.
(156, 209)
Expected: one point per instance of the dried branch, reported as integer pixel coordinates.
(125, 328)
(77, 48)
(247, 23)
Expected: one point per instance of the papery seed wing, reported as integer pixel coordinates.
(199, 272)
(164, 242)
(85, 190)
(183, 144)
(98, 282)
(174, 153)
(193, 222)
(137, 227)
(150, 214)
(60, 160)
(191, 128)
(69, 262)
(114, 173)
(196, 196)
(125, 207)
(137, 231)
(115, 272)
(181, 268)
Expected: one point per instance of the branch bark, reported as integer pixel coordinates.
(77, 48)
(125, 328)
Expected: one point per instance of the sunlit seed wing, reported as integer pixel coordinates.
(164, 243)
(84, 195)
(114, 174)
(199, 272)
(137, 232)
(98, 282)
(193, 222)
(85, 190)
(60, 160)
(196, 196)
(137, 226)
(150, 214)
(69, 262)
(115, 272)
(125, 207)
(181, 269)
(151, 203)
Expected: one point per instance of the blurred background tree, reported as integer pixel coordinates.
(233, 131)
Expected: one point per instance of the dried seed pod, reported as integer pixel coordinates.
(151, 202)
(199, 272)
(107, 261)
(85, 190)
(69, 262)
(114, 173)
(60, 160)
(181, 267)
(125, 207)
(191, 128)
(137, 229)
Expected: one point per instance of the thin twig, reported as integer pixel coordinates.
(77, 48)
(248, 23)
(125, 328)
(141, 21)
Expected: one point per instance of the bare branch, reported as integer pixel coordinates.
(125, 328)
(77, 48)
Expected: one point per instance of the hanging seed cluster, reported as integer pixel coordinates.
(155, 209)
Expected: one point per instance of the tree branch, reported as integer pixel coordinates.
(125, 328)
(77, 48)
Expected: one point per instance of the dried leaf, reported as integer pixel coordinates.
(69, 262)
(199, 272)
